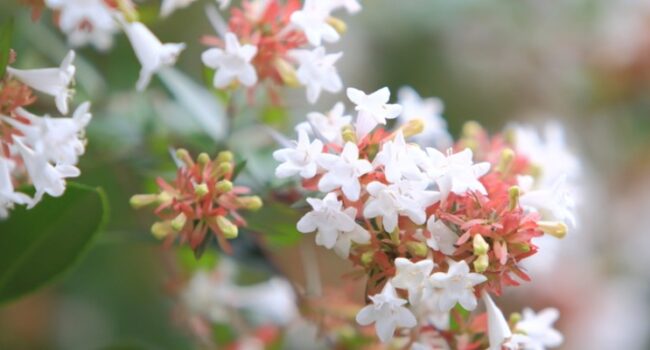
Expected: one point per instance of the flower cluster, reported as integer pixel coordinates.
(431, 229)
(201, 198)
(270, 40)
(38, 150)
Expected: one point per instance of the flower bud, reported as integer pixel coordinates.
(223, 169)
(203, 158)
(413, 127)
(184, 156)
(287, 72)
(224, 186)
(556, 229)
(367, 258)
(252, 203)
(513, 195)
(480, 246)
(505, 161)
(348, 134)
(514, 318)
(161, 230)
(228, 229)
(179, 222)
(142, 200)
(418, 249)
(225, 157)
(201, 190)
(338, 24)
(481, 263)
(472, 129)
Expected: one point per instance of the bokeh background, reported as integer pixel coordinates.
(585, 63)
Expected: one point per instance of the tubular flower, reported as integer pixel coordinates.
(86, 22)
(201, 199)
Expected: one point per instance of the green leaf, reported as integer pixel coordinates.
(40, 244)
(277, 222)
(238, 169)
(6, 31)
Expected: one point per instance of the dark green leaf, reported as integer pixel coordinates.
(6, 31)
(238, 168)
(277, 222)
(40, 244)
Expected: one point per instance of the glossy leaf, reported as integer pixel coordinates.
(38, 245)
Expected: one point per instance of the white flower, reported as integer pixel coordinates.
(317, 71)
(357, 235)
(169, 6)
(51, 81)
(428, 110)
(232, 63)
(442, 237)
(86, 22)
(223, 4)
(412, 276)
(329, 126)
(498, 329)
(299, 160)
(59, 140)
(328, 219)
(550, 152)
(388, 313)
(312, 20)
(539, 328)
(152, 54)
(373, 109)
(272, 301)
(456, 286)
(352, 6)
(456, 172)
(408, 198)
(554, 202)
(519, 342)
(344, 171)
(45, 177)
(8, 196)
(207, 295)
(399, 159)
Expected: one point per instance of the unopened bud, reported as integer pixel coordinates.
(472, 129)
(514, 318)
(481, 263)
(480, 246)
(161, 230)
(250, 203)
(225, 157)
(413, 127)
(142, 200)
(223, 169)
(505, 161)
(367, 258)
(184, 156)
(179, 222)
(228, 229)
(203, 158)
(224, 186)
(165, 197)
(513, 196)
(556, 229)
(287, 72)
(348, 134)
(201, 190)
(338, 24)
(418, 249)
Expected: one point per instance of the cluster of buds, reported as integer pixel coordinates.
(269, 41)
(432, 230)
(38, 150)
(201, 198)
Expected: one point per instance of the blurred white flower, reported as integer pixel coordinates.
(412, 276)
(51, 81)
(429, 110)
(86, 22)
(152, 54)
(300, 159)
(169, 6)
(539, 328)
(208, 295)
(408, 198)
(273, 301)
(317, 71)
(328, 219)
(388, 313)
(59, 140)
(554, 202)
(343, 171)
(442, 237)
(8, 196)
(330, 125)
(373, 109)
(399, 159)
(312, 20)
(352, 6)
(455, 172)
(456, 286)
(45, 177)
(233, 63)
(223, 4)
(498, 330)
